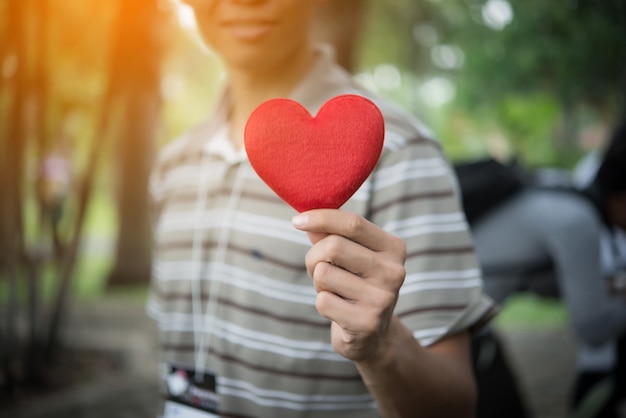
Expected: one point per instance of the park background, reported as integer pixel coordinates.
(91, 90)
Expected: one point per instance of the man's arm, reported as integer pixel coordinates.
(436, 381)
(357, 269)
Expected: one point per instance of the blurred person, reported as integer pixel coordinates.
(579, 235)
(360, 312)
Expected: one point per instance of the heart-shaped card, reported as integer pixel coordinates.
(315, 162)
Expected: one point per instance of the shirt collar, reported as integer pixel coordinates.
(324, 80)
(220, 145)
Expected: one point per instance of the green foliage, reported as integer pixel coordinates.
(572, 49)
(526, 310)
(530, 120)
(533, 81)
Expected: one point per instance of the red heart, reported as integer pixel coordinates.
(315, 162)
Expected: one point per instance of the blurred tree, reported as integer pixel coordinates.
(13, 55)
(135, 72)
(50, 79)
(506, 58)
(572, 50)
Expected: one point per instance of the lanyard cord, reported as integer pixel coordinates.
(196, 255)
(204, 324)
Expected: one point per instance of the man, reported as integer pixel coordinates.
(382, 329)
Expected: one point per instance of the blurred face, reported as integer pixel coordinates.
(255, 35)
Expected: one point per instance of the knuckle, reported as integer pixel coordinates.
(397, 272)
(354, 224)
(334, 246)
(322, 303)
(389, 300)
(394, 275)
(383, 302)
(321, 275)
(400, 248)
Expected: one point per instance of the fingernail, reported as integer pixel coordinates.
(300, 220)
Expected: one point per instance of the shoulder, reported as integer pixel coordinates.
(177, 150)
(402, 128)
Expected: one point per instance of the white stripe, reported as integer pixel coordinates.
(425, 220)
(394, 140)
(470, 278)
(258, 398)
(180, 221)
(364, 192)
(268, 343)
(441, 284)
(186, 176)
(428, 335)
(296, 397)
(426, 224)
(409, 170)
(446, 274)
(254, 340)
(240, 278)
(431, 229)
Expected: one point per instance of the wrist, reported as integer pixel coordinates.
(374, 368)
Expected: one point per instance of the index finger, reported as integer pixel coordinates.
(322, 222)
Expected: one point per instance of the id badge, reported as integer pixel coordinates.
(189, 395)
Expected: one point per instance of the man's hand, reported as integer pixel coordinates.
(357, 270)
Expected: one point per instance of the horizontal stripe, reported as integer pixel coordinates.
(173, 296)
(412, 198)
(427, 336)
(409, 170)
(177, 245)
(274, 398)
(251, 339)
(242, 221)
(442, 308)
(427, 224)
(272, 371)
(238, 277)
(441, 280)
(442, 285)
(441, 251)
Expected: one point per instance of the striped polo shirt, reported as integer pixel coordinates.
(230, 290)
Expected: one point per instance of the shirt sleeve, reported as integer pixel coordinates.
(415, 197)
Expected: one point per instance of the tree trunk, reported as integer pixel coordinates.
(12, 146)
(339, 23)
(35, 259)
(136, 70)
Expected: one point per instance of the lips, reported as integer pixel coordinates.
(248, 30)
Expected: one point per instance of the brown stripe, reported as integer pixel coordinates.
(206, 245)
(441, 251)
(191, 196)
(432, 309)
(172, 296)
(233, 415)
(411, 198)
(421, 140)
